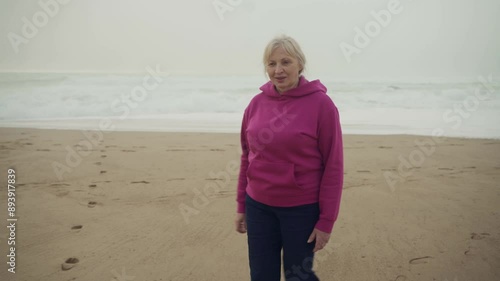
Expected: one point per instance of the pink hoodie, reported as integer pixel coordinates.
(292, 150)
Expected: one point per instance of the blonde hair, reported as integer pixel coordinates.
(289, 45)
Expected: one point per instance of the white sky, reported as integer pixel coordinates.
(429, 38)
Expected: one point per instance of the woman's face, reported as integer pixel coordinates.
(283, 70)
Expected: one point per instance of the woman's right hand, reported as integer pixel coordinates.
(240, 222)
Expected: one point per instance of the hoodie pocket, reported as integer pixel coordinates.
(264, 175)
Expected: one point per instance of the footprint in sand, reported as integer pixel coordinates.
(468, 251)
(146, 182)
(104, 156)
(477, 236)
(180, 149)
(176, 179)
(103, 172)
(92, 185)
(448, 169)
(59, 184)
(92, 204)
(363, 171)
(69, 264)
(77, 226)
(61, 193)
(98, 163)
(128, 150)
(419, 260)
(400, 278)
(216, 149)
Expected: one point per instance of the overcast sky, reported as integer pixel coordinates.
(426, 38)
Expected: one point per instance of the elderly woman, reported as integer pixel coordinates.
(291, 173)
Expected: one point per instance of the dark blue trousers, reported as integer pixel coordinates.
(271, 229)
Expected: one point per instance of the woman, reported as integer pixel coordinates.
(291, 173)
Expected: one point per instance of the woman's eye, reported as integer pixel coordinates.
(272, 64)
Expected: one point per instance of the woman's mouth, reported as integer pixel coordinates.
(280, 79)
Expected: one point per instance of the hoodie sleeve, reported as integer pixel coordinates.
(242, 179)
(331, 149)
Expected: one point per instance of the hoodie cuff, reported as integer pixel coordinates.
(241, 208)
(324, 225)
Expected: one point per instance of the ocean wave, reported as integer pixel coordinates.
(380, 105)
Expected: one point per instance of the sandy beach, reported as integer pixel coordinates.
(160, 206)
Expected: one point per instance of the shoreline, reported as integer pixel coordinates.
(159, 131)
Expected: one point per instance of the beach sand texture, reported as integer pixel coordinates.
(117, 208)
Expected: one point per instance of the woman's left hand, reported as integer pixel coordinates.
(320, 237)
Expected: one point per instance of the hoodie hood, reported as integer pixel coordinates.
(304, 88)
